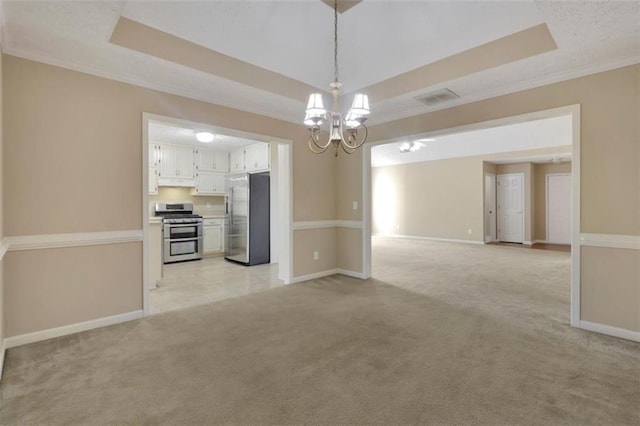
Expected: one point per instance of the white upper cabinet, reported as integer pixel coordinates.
(212, 160)
(154, 154)
(236, 160)
(256, 157)
(176, 166)
(209, 183)
(253, 158)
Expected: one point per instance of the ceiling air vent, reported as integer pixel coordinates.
(437, 97)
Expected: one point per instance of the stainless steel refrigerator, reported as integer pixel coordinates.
(247, 218)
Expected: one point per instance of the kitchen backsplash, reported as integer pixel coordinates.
(203, 205)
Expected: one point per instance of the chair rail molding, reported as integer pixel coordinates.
(611, 241)
(48, 241)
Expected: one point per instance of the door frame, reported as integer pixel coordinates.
(522, 193)
(492, 236)
(546, 205)
(285, 199)
(569, 110)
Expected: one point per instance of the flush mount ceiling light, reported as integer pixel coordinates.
(411, 146)
(349, 132)
(204, 137)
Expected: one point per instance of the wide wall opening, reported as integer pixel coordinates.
(480, 217)
(216, 203)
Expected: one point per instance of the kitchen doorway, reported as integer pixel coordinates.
(173, 184)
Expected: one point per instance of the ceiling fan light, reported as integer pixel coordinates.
(315, 107)
(360, 105)
(205, 137)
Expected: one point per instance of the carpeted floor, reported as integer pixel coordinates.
(341, 350)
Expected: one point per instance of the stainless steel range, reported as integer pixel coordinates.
(181, 232)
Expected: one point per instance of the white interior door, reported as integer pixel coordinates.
(510, 193)
(490, 207)
(559, 208)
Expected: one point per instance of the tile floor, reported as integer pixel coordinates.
(209, 280)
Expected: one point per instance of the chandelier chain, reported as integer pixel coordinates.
(335, 40)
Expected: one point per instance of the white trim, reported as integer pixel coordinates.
(544, 242)
(4, 247)
(611, 331)
(320, 224)
(527, 243)
(631, 242)
(575, 211)
(415, 237)
(353, 274)
(327, 273)
(367, 210)
(313, 276)
(38, 336)
(3, 351)
(48, 241)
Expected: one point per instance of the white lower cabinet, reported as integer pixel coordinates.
(213, 239)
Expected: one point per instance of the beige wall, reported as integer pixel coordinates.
(52, 288)
(607, 296)
(610, 158)
(610, 138)
(443, 198)
(540, 195)
(438, 199)
(349, 249)
(306, 241)
(73, 164)
(527, 170)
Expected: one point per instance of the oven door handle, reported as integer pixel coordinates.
(178, 240)
(186, 225)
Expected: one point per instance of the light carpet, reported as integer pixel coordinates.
(341, 350)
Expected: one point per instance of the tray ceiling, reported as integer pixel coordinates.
(275, 52)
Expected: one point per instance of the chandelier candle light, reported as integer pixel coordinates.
(344, 132)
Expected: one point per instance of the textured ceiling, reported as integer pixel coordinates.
(379, 40)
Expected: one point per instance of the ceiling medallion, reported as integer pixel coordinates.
(349, 132)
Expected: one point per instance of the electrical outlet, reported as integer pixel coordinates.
(316, 255)
(469, 231)
(355, 205)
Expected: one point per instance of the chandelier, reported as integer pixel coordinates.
(349, 132)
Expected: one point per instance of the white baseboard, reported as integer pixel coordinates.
(540, 242)
(38, 336)
(527, 243)
(611, 331)
(320, 224)
(413, 237)
(313, 276)
(326, 273)
(352, 274)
